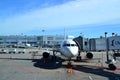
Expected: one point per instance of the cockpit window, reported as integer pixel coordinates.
(73, 45)
(66, 45)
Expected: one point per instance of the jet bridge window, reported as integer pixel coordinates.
(86, 43)
(69, 45)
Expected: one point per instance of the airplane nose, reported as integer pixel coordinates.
(72, 52)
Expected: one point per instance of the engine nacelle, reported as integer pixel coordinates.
(89, 55)
(46, 54)
(112, 67)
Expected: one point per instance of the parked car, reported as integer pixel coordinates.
(3, 51)
(12, 50)
(21, 50)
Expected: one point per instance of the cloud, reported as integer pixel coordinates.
(78, 12)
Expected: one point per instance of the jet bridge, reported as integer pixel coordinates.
(112, 51)
(109, 44)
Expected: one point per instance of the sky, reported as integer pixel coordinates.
(91, 18)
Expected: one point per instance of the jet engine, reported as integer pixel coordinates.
(89, 55)
(112, 67)
(46, 54)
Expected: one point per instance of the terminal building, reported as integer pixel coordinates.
(34, 41)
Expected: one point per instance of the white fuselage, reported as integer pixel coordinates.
(69, 48)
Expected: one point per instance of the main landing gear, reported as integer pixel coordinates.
(78, 58)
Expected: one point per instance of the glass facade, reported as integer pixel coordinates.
(16, 40)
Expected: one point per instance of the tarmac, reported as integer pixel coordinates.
(28, 67)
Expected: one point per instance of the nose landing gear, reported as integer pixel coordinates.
(69, 64)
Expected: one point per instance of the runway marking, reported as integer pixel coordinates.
(29, 70)
(43, 71)
(90, 78)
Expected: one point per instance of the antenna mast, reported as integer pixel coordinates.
(64, 34)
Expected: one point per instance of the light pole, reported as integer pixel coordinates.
(106, 47)
(43, 38)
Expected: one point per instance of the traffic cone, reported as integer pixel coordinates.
(70, 70)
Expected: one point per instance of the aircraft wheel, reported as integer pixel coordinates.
(89, 55)
(46, 54)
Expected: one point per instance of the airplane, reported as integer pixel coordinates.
(69, 49)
